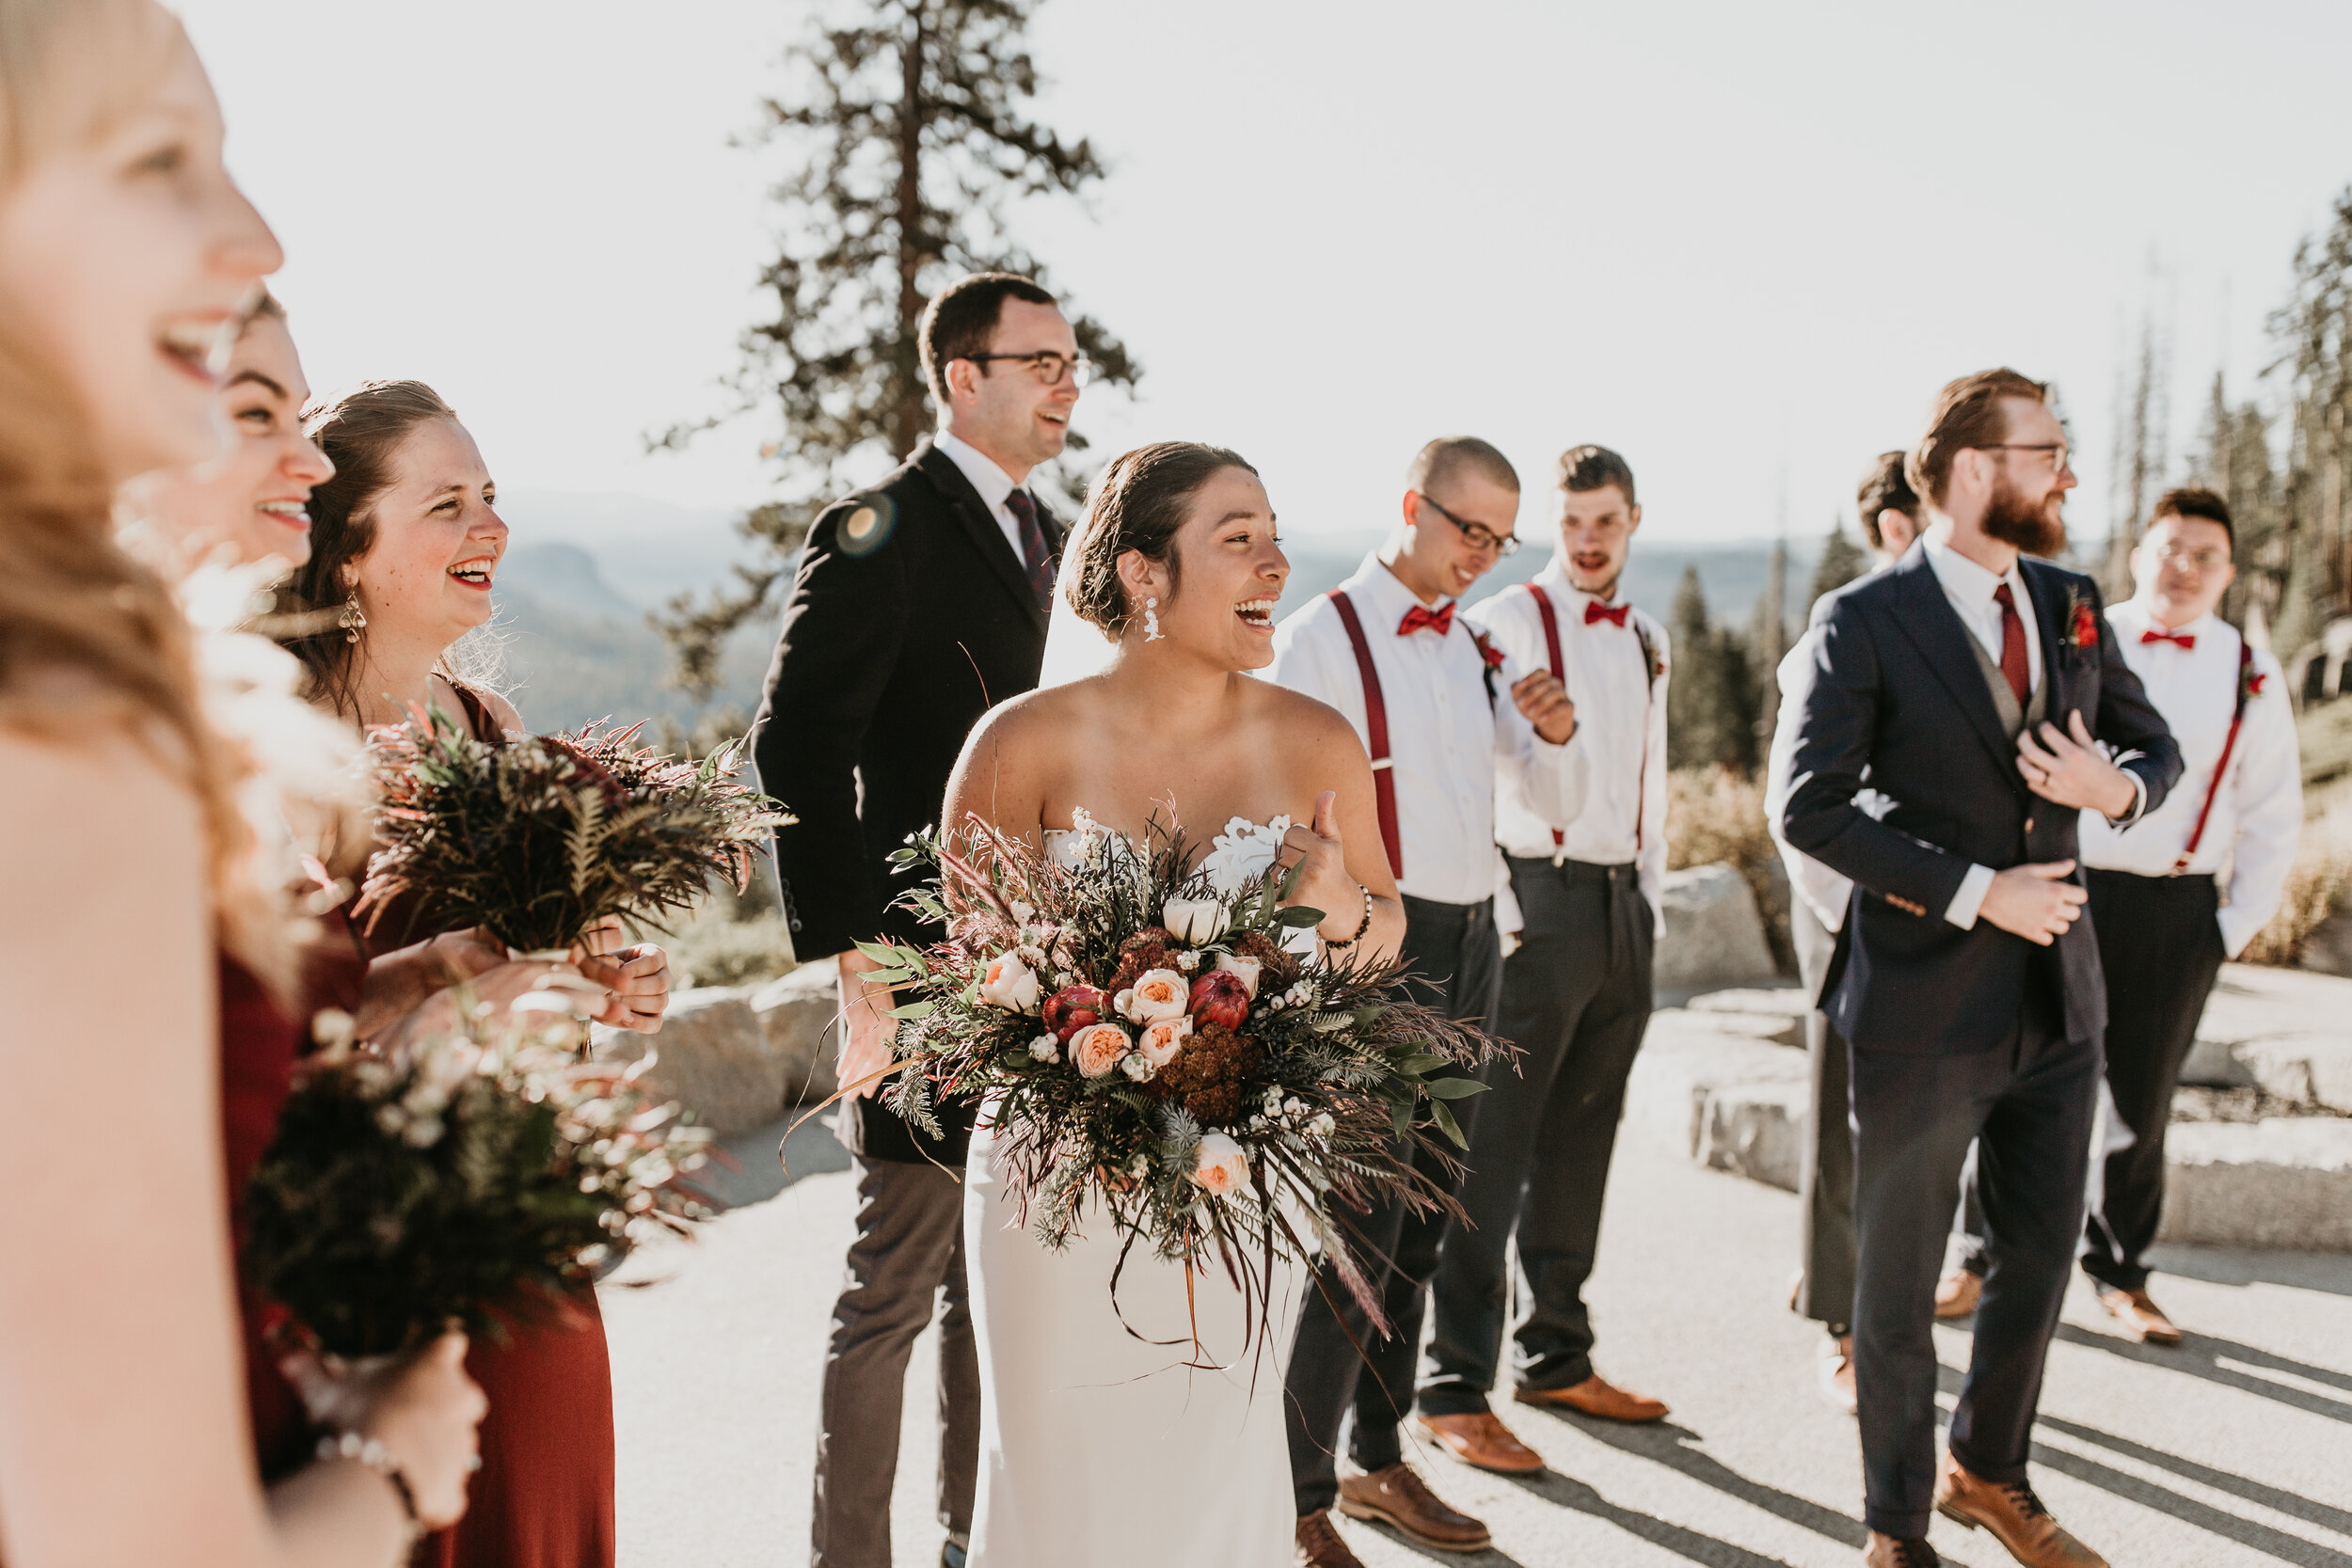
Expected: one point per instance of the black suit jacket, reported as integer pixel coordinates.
(1899, 705)
(910, 617)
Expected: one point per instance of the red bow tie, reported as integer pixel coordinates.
(1613, 614)
(1439, 620)
(2185, 639)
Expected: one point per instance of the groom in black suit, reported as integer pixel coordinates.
(1968, 684)
(918, 605)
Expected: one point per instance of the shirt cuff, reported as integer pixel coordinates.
(2140, 801)
(1970, 898)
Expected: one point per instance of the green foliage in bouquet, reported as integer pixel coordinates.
(541, 836)
(471, 1183)
(1159, 1050)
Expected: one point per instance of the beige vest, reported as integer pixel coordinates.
(2014, 718)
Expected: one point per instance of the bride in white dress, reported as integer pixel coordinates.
(1102, 1446)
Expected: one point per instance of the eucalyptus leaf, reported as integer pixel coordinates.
(1445, 1120)
(1455, 1088)
(914, 1010)
(1298, 914)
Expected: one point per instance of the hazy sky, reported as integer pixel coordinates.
(1730, 240)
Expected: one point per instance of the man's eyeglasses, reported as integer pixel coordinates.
(2059, 450)
(1478, 536)
(2201, 561)
(1046, 365)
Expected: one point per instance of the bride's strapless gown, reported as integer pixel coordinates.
(1096, 1448)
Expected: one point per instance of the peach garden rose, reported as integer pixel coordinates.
(1220, 1167)
(1162, 1040)
(1157, 995)
(1096, 1049)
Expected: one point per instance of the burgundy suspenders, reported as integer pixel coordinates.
(1649, 678)
(1377, 734)
(2237, 720)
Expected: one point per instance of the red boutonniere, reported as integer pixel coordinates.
(2082, 622)
(2254, 681)
(1488, 651)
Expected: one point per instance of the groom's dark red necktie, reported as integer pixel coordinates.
(2013, 663)
(1035, 557)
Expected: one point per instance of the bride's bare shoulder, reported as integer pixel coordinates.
(1304, 723)
(1032, 716)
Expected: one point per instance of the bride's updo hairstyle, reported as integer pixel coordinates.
(1139, 503)
(361, 431)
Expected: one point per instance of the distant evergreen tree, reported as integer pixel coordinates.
(1710, 703)
(1842, 561)
(908, 137)
(2314, 333)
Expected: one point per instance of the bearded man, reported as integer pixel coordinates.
(1970, 689)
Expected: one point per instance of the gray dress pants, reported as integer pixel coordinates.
(1825, 1156)
(907, 1256)
(1575, 999)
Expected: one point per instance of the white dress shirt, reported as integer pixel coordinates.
(1621, 727)
(991, 482)
(1450, 751)
(2250, 836)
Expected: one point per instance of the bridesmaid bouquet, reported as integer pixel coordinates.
(470, 1182)
(1157, 1048)
(542, 836)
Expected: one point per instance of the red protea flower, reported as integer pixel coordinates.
(1219, 997)
(1071, 1008)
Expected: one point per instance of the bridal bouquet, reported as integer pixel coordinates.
(469, 1183)
(542, 836)
(1157, 1047)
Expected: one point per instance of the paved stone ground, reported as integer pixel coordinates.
(2234, 1449)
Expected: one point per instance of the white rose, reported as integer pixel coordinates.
(1157, 993)
(1220, 1166)
(1162, 1040)
(1249, 969)
(1010, 984)
(1194, 920)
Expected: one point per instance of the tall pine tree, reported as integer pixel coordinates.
(908, 135)
(1710, 703)
(2314, 333)
(1842, 561)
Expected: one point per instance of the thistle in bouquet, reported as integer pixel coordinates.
(540, 837)
(469, 1180)
(1160, 1048)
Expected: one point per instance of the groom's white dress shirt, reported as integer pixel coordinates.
(991, 482)
(2249, 836)
(1453, 754)
(1621, 725)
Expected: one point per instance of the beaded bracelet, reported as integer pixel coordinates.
(372, 1453)
(1361, 927)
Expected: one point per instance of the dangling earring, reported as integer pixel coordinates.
(352, 620)
(1152, 620)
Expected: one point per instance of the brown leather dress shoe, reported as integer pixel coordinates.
(1482, 1441)
(1838, 1373)
(1595, 1396)
(1887, 1551)
(2141, 1317)
(1957, 1294)
(1319, 1543)
(1397, 1496)
(2013, 1514)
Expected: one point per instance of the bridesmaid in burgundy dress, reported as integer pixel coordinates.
(136, 889)
(405, 543)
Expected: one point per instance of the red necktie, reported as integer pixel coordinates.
(2156, 634)
(1439, 620)
(2013, 663)
(1613, 614)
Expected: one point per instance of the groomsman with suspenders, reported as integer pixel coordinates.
(1444, 719)
(1575, 993)
(1890, 521)
(2189, 886)
(1980, 692)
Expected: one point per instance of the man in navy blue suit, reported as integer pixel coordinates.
(1974, 691)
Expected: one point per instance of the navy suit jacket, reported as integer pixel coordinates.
(1899, 705)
